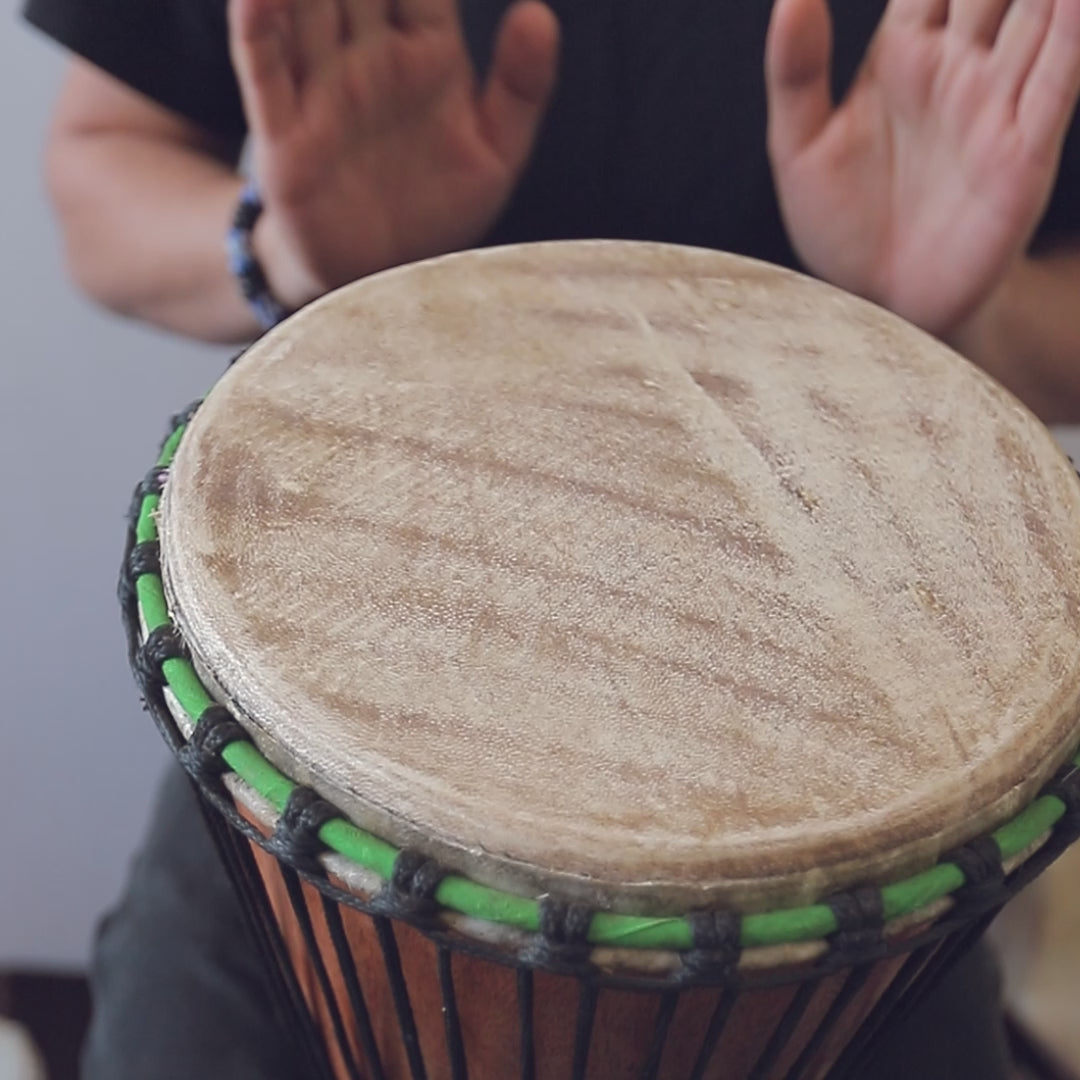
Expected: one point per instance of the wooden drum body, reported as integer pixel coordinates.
(629, 660)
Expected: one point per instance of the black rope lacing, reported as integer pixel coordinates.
(984, 873)
(410, 891)
(860, 923)
(296, 836)
(717, 945)
(201, 754)
(161, 644)
(562, 943)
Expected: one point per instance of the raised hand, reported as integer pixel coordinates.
(924, 185)
(373, 143)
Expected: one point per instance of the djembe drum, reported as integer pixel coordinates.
(611, 660)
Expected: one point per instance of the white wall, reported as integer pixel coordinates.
(84, 399)
(1070, 442)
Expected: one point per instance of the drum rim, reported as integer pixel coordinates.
(1025, 832)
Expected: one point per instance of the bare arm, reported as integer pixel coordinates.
(371, 139)
(144, 200)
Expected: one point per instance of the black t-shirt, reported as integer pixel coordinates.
(656, 131)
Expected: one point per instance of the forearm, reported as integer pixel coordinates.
(1027, 335)
(144, 223)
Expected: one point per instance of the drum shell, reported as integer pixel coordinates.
(788, 1021)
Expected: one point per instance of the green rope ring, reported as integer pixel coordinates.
(459, 894)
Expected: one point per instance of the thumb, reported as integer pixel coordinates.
(521, 80)
(259, 45)
(798, 57)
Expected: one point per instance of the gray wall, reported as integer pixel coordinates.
(83, 401)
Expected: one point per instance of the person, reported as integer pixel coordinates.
(921, 153)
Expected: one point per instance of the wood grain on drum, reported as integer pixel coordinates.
(486, 996)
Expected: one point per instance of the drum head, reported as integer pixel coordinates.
(648, 575)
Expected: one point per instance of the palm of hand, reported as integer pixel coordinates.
(929, 179)
(372, 132)
(374, 145)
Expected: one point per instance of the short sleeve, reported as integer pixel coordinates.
(1062, 216)
(174, 51)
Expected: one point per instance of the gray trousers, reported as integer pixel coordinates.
(180, 992)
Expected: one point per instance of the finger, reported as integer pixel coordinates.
(319, 33)
(521, 80)
(1049, 96)
(423, 12)
(362, 19)
(798, 57)
(976, 20)
(258, 42)
(923, 13)
(1022, 33)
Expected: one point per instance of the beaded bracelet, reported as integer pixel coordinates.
(245, 265)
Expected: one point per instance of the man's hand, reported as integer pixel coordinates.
(372, 142)
(926, 183)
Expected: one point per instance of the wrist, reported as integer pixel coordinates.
(286, 277)
(997, 336)
(983, 335)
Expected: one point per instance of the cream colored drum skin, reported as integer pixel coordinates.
(671, 579)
